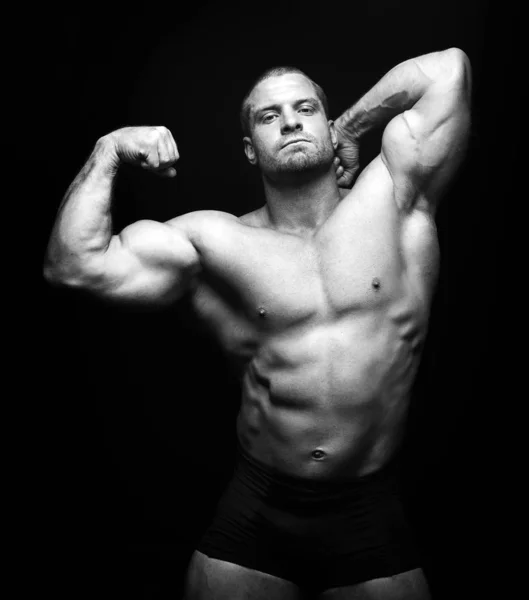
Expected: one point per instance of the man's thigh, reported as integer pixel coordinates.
(213, 579)
(410, 585)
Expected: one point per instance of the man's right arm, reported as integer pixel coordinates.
(148, 262)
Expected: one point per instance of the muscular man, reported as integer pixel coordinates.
(321, 297)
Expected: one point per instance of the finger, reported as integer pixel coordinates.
(151, 159)
(346, 180)
(173, 150)
(163, 152)
(172, 142)
(170, 172)
(169, 146)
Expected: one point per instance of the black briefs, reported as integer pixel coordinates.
(317, 534)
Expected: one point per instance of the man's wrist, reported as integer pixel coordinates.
(106, 154)
(346, 126)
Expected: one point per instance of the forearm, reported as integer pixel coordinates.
(83, 226)
(398, 91)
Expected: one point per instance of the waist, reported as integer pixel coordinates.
(262, 479)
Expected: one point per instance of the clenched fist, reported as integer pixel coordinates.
(152, 148)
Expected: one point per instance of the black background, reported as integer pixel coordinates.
(133, 433)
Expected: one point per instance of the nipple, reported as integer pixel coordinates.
(376, 283)
(318, 454)
(262, 312)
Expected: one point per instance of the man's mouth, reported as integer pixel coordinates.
(296, 141)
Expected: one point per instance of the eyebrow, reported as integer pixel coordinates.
(312, 101)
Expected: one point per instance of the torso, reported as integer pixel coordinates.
(326, 331)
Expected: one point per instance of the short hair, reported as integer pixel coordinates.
(246, 107)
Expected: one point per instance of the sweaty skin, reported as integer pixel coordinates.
(326, 329)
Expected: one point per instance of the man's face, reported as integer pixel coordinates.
(285, 109)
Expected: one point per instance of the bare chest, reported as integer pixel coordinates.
(268, 281)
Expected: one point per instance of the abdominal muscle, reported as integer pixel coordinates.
(327, 400)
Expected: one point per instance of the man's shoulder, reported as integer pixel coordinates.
(203, 219)
(256, 218)
(207, 227)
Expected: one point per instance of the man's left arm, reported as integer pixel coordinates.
(425, 104)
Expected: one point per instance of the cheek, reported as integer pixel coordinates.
(321, 132)
(263, 146)
(326, 137)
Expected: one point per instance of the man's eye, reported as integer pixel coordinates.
(307, 109)
(268, 118)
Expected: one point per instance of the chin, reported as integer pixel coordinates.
(299, 162)
(305, 164)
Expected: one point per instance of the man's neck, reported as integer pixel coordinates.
(301, 206)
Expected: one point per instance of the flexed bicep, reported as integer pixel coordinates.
(82, 253)
(147, 263)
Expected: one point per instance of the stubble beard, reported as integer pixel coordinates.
(297, 163)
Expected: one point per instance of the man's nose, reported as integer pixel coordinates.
(291, 122)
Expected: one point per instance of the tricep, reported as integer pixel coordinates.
(424, 146)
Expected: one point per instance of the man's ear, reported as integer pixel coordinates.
(249, 151)
(334, 135)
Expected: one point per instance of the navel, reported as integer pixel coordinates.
(318, 454)
(261, 311)
(375, 284)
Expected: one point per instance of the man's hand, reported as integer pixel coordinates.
(346, 161)
(153, 148)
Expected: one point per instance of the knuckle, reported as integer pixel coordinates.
(153, 133)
